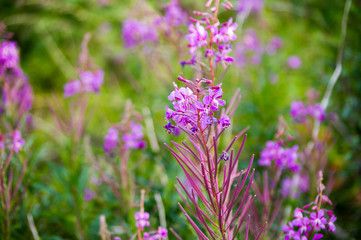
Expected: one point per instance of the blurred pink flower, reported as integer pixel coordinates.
(294, 62)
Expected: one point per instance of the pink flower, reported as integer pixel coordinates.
(135, 32)
(197, 37)
(331, 225)
(294, 62)
(111, 139)
(18, 142)
(318, 220)
(72, 88)
(134, 138)
(274, 44)
(142, 220)
(174, 15)
(9, 57)
(92, 80)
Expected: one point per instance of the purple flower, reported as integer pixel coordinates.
(298, 111)
(331, 225)
(317, 236)
(162, 232)
(289, 231)
(222, 54)
(213, 101)
(24, 97)
(142, 220)
(88, 195)
(270, 153)
(169, 127)
(318, 112)
(117, 238)
(111, 139)
(136, 32)
(9, 57)
(251, 41)
(190, 112)
(72, 88)
(283, 157)
(89, 82)
(224, 121)
(302, 222)
(287, 158)
(197, 37)
(229, 28)
(304, 183)
(174, 15)
(294, 62)
(2, 144)
(192, 61)
(225, 33)
(18, 142)
(92, 80)
(286, 187)
(318, 220)
(224, 156)
(134, 138)
(274, 44)
(250, 5)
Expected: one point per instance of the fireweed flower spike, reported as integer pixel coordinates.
(120, 141)
(15, 103)
(135, 32)
(9, 58)
(174, 15)
(89, 82)
(18, 142)
(283, 158)
(90, 77)
(308, 223)
(142, 218)
(111, 139)
(210, 40)
(217, 195)
(299, 112)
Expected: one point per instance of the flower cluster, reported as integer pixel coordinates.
(142, 220)
(253, 6)
(15, 141)
(174, 15)
(16, 92)
(89, 82)
(294, 62)
(219, 195)
(9, 58)
(18, 142)
(291, 187)
(132, 138)
(299, 112)
(193, 113)
(220, 34)
(136, 32)
(251, 49)
(282, 157)
(305, 223)
(309, 222)
(16, 96)
(161, 233)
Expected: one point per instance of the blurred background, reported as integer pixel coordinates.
(49, 34)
